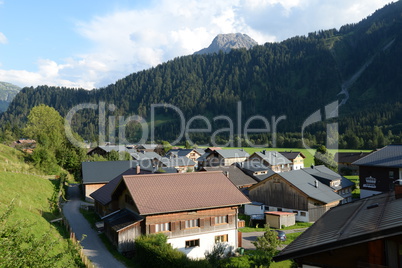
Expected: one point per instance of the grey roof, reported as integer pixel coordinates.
(292, 155)
(274, 158)
(200, 151)
(236, 175)
(232, 153)
(326, 176)
(177, 161)
(361, 221)
(306, 183)
(252, 169)
(122, 219)
(104, 171)
(179, 152)
(145, 155)
(147, 146)
(389, 156)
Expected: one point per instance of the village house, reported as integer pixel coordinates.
(272, 159)
(297, 159)
(295, 191)
(194, 210)
(379, 170)
(181, 164)
(192, 154)
(345, 162)
(339, 184)
(147, 147)
(225, 157)
(96, 174)
(256, 170)
(364, 233)
(235, 175)
(106, 149)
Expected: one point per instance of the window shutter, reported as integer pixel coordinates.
(202, 223)
(182, 225)
(212, 221)
(152, 228)
(230, 218)
(173, 226)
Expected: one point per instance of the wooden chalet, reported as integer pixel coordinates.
(272, 159)
(295, 191)
(194, 210)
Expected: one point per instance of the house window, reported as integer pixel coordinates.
(295, 211)
(221, 238)
(192, 243)
(279, 209)
(303, 214)
(162, 227)
(192, 223)
(221, 219)
(391, 174)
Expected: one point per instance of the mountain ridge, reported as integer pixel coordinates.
(7, 93)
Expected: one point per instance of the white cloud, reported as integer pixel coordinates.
(3, 38)
(126, 41)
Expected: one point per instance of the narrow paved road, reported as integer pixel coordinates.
(247, 238)
(93, 246)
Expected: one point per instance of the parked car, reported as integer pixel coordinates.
(281, 235)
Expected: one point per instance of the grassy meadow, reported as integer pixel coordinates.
(32, 196)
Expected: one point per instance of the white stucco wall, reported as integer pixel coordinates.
(207, 242)
(254, 209)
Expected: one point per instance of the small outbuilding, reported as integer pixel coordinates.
(279, 219)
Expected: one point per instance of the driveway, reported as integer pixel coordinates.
(93, 246)
(252, 236)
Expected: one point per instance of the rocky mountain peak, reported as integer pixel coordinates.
(226, 42)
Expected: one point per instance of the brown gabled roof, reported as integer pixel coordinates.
(292, 155)
(164, 193)
(104, 194)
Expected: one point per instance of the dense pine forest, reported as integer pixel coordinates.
(295, 78)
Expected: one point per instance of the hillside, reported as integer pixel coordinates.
(7, 94)
(358, 65)
(30, 195)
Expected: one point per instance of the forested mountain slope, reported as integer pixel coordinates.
(295, 78)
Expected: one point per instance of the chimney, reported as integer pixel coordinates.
(263, 151)
(398, 189)
(227, 174)
(316, 184)
(138, 169)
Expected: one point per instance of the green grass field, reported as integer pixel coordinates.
(31, 196)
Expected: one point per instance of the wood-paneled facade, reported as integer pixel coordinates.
(277, 192)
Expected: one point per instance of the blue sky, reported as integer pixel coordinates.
(91, 44)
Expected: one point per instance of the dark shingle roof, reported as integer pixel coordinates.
(122, 219)
(236, 175)
(292, 155)
(361, 221)
(349, 157)
(389, 156)
(103, 171)
(163, 193)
